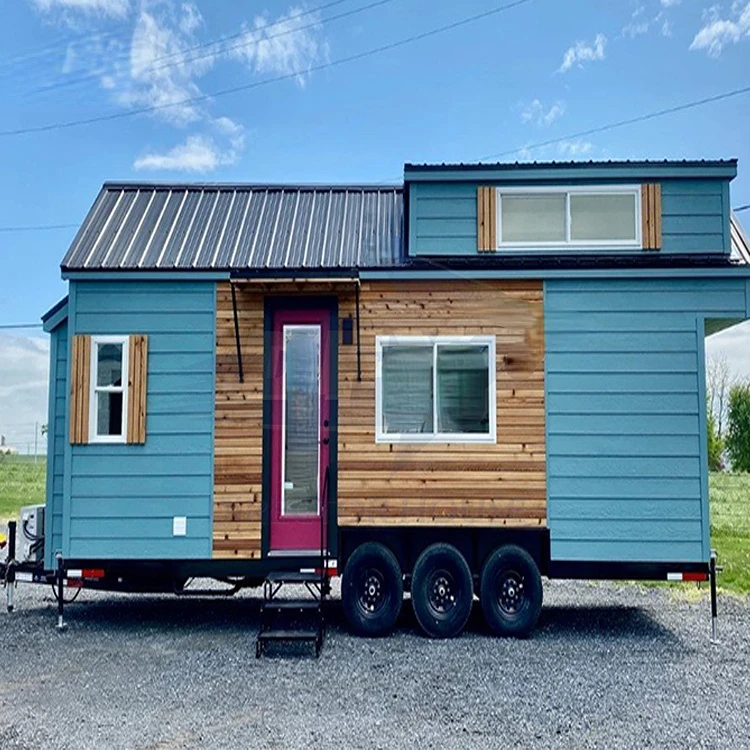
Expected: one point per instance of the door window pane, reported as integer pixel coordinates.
(602, 217)
(407, 389)
(533, 218)
(301, 420)
(109, 364)
(109, 413)
(463, 403)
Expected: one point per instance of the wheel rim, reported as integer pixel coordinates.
(511, 592)
(371, 592)
(443, 592)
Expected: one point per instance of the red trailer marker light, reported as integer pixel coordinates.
(93, 573)
(688, 576)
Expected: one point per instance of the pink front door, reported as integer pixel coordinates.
(300, 416)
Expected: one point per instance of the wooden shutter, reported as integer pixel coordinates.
(80, 376)
(137, 367)
(651, 216)
(486, 219)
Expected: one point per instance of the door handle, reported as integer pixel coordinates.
(325, 441)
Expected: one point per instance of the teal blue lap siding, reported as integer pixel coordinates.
(122, 499)
(625, 460)
(56, 437)
(695, 216)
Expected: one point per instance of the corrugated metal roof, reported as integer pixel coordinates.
(239, 227)
(739, 241)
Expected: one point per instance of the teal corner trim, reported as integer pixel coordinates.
(49, 504)
(57, 314)
(68, 452)
(546, 406)
(210, 540)
(742, 272)
(510, 173)
(700, 334)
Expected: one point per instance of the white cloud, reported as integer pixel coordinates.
(639, 24)
(109, 8)
(24, 367)
(582, 52)
(572, 149)
(670, 3)
(718, 32)
(162, 72)
(283, 46)
(535, 112)
(198, 153)
(666, 28)
(232, 130)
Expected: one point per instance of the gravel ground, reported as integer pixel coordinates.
(608, 666)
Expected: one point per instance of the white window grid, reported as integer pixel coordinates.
(94, 389)
(568, 243)
(382, 342)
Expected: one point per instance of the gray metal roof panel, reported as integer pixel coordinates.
(239, 227)
(740, 244)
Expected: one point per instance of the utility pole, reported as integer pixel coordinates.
(36, 439)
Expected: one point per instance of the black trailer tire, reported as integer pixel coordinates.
(510, 592)
(372, 590)
(442, 591)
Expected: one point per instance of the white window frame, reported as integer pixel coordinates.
(568, 243)
(96, 342)
(381, 342)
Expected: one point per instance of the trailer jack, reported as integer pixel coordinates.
(9, 580)
(60, 582)
(713, 570)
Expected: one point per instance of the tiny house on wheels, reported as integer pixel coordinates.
(454, 386)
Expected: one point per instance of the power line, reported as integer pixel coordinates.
(622, 123)
(178, 55)
(38, 228)
(267, 81)
(741, 208)
(254, 39)
(18, 326)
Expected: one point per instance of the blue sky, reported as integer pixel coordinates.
(542, 70)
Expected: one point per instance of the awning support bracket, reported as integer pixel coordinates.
(237, 334)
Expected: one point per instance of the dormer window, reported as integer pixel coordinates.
(568, 217)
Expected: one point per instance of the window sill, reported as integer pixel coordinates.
(570, 247)
(425, 439)
(108, 440)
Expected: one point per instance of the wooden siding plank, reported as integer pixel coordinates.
(138, 372)
(466, 485)
(651, 218)
(657, 216)
(79, 389)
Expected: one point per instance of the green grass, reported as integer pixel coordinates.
(22, 482)
(730, 528)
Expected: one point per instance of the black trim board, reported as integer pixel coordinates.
(623, 571)
(300, 302)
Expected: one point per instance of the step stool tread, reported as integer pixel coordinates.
(293, 576)
(288, 635)
(291, 604)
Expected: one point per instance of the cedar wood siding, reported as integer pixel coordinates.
(393, 484)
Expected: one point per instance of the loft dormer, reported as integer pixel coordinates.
(559, 209)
